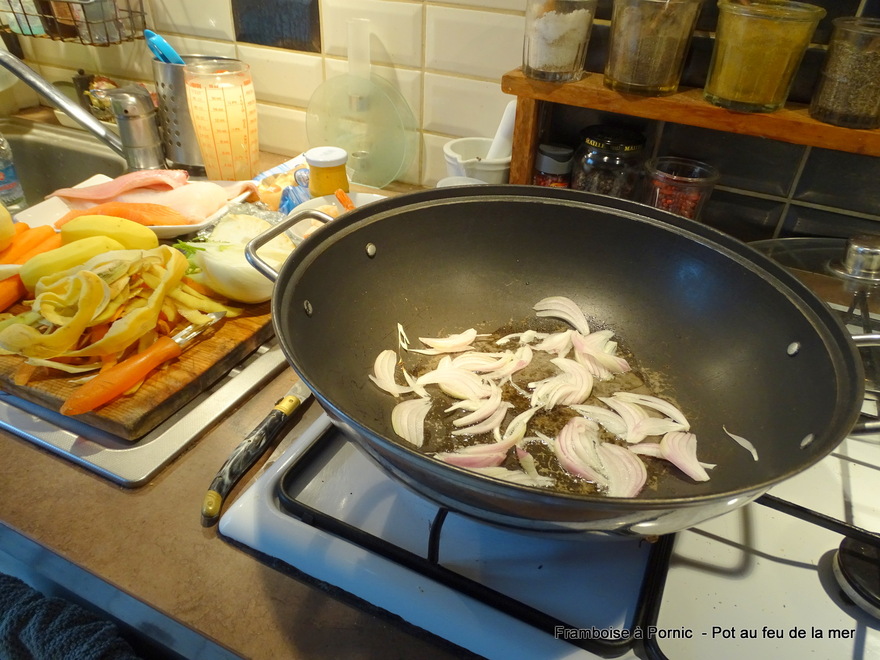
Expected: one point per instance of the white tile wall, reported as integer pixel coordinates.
(445, 57)
(211, 19)
(282, 76)
(473, 43)
(396, 29)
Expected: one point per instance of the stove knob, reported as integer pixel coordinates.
(862, 258)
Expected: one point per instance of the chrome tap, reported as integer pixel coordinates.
(130, 147)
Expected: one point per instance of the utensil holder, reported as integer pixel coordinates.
(178, 134)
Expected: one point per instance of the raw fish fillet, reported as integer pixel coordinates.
(196, 201)
(149, 215)
(150, 179)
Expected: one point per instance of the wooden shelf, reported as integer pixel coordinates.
(790, 124)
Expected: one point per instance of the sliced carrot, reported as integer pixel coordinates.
(198, 287)
(345, 200)
(54, 241)
(26, 242)
(11, 291)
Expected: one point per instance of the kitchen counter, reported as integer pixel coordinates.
(148, 543)
(142, 557)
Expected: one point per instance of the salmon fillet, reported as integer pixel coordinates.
(150, 215)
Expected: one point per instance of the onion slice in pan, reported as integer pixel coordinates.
(408, 420)
(383, 374)
(745, 444)
(655, 403)
(626, 472)
(680, 449)
(564, 309)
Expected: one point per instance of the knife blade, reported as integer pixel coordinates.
(249, 450)
(110, 383)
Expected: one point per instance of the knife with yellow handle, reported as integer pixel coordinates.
(249, 450)
(118, 379)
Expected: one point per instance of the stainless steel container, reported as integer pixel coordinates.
(178, 135)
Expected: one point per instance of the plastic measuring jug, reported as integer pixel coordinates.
(223, 108)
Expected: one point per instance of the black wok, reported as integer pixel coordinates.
(740, 342)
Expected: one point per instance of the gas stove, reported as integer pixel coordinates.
(756, 581)
(792, 575)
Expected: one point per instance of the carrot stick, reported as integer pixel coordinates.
(345, 200)
(18, 228)
(11, 291)
(25, 242)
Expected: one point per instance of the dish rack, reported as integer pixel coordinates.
(89, 22)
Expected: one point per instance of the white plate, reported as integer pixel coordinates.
(53, 208)
(305, 227)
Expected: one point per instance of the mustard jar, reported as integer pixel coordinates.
(326, 170)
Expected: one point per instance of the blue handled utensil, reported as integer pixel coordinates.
(162, 49)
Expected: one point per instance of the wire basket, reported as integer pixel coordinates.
(90, 22)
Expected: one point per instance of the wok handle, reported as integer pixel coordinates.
(867, 340)
(250, 250)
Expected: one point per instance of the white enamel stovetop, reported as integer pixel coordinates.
(729, 579)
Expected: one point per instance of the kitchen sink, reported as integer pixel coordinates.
(48, 157)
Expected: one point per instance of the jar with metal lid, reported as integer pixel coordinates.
(553, 166)
(609, 161)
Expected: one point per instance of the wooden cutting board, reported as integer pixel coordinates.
(167, 389)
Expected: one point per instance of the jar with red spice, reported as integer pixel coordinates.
(553, 166)
(679, 185)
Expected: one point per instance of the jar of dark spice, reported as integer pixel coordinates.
(609, 161)
(553, 166)
(848, 92)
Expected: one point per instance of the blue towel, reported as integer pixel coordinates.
(36, 627)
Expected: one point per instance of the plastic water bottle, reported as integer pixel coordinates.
(11, 194)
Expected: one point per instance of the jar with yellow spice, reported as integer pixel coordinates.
(759, 46)
(327, 170)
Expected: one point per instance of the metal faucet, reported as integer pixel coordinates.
(137, 147)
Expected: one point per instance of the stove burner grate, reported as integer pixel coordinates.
(646, 609)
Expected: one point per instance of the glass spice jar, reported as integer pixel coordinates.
(609, 161)
(553, 166)
(648, 44)
(679, 185)
(557, 33)
(848, 92)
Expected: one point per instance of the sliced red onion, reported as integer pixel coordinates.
(519, 361)
(461, 459)
(479, 362)
(526, 337)
(653, 449)
(656, 403)
(565, 309)
(516, 430)
(807, 441)
(558, 343)
(383, 368)
(597, 348)
(402, 339)
(610, 420)
(573, 385)
(457, 383)
(639, 425)
(576, 448)
(745, 444)
(626, 472)
(647, 449)
(516, 477)
(408, 420)
(457, 343)
(680, 449)
(488, 425)
(489, 406)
